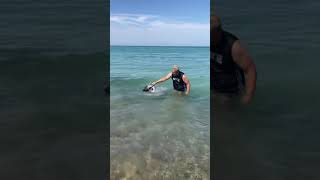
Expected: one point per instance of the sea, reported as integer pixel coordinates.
(54, 112)
(276, 137)
(53, 109)
(160, 135)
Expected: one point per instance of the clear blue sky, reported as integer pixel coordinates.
(160, 22)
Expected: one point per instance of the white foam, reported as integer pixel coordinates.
(157, 91)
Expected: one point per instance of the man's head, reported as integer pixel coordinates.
(175, 69)
(216, 29)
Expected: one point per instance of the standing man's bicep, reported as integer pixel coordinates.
(241, 56)
(185, 79)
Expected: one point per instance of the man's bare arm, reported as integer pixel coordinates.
(243, 59)
(186, 80)
(168, 76)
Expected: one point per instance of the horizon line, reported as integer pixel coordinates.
(164, 45)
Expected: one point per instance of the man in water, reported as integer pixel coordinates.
(233, 72)
(180, 81)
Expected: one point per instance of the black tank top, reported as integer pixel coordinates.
(178, 83)
(226, 75)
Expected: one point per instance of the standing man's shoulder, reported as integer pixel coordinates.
(185, 79)
(183, 75)
(238, 50)
(241, 56)
(230, 37)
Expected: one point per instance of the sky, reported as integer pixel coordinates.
(160, 22)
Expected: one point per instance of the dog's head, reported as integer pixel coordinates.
(149, 88)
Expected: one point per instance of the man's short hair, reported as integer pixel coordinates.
(175, 66)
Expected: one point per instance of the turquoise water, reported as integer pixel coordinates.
(160, 135)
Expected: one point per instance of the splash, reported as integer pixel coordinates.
(158, 91)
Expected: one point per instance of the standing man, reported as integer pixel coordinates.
(233, 70)
(180, 81)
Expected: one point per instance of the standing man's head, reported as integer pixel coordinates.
(216, 29)
(175, 69)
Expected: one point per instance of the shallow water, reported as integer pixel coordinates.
(159, 135)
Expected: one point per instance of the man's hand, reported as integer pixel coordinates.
(246, 99)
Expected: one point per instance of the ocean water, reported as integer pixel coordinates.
(53, 111)
(277, 136)
(159, 135)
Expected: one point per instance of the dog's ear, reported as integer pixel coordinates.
(145, 88)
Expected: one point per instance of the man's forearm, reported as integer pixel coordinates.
(188, 88)
(251, 77)
(159, 81)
